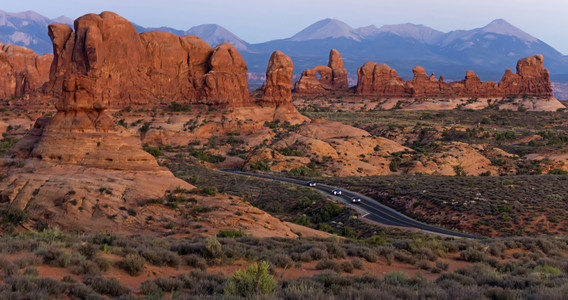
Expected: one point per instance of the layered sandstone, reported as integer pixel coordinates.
(22, 70)
(531, 79)
(76, 170)
(122, 67)
(332, 77)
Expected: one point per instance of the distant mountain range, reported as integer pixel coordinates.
(488, 50)
(28, 29)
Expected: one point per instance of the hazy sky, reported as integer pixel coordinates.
(261, 20)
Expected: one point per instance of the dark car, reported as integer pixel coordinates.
(356, 200)
(311, 183)
(336, 192)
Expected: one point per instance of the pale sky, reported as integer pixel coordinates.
(262, 20)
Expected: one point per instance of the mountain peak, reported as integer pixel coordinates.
(326, 28)
(500, 26)
(409, 30)
(215, 34)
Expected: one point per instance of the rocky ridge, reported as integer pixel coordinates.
(531, 79)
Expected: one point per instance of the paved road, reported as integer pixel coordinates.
(370, 208)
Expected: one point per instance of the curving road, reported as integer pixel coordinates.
(369, 208)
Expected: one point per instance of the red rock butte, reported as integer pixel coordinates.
(22, 70)
(380, 80)
(117, 67)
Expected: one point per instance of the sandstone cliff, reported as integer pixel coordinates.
(331, 78)
(122, 67)
(22, 71)
(380, 80)
(76, 170)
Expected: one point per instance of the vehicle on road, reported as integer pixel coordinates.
(311, 183)
(356, 200)
(336, 192)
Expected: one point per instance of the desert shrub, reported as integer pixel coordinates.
(132, 264)
(151, 290)
(55, 257)
(335, 251)
(396, 278)
(106, 286)
(404, 257)
(423, 264)
(195, 261)
(169, 284)
(254, 280)
(103, 264)
(213, 249)
(86, 267)
(472, 255)
(27, 260)
(327, 264)
(347, 267)
(230, 233)
(88, 250)
(9, 270)
(159, 257)
(357, 263)
(314, 253)
(281, 260)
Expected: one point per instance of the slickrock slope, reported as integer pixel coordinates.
(126, 68)
(531, 79)
(332, 78)
(22, 71)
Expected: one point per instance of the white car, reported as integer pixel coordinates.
(311, 183)
(356, 200)
(336, 192)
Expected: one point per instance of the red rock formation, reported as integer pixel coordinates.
(331, 78)
(381, 80)
(22, 70)
(278, 87)
(121, 67)
(531, 79)
(338, 72)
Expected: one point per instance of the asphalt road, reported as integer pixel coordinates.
(370, 208)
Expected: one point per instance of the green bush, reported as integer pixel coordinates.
(260, 165)
(230, 233)
(16, 216)
(155, 151)
(254, 280)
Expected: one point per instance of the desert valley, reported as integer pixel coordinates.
(146, 165)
